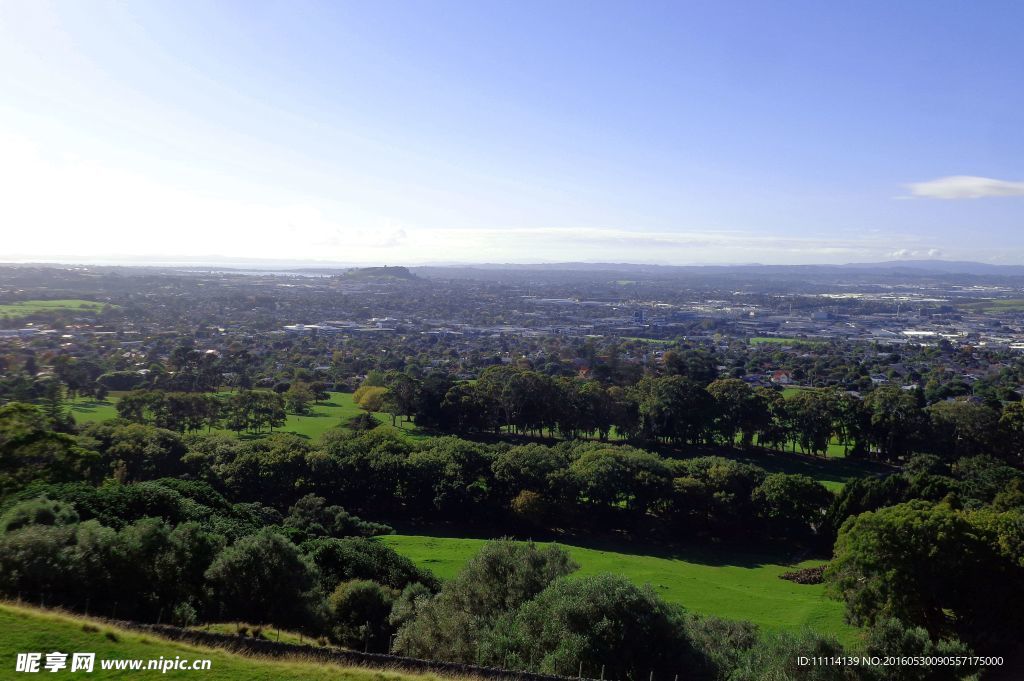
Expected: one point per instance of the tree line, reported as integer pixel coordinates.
(889, 423)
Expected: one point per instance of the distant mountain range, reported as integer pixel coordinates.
(944, 267)
(918, 266)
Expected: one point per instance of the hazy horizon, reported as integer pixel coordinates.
(446, 132)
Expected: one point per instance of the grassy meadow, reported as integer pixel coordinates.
(334, 412)
(28, 629)
(782, 340)
(25, 308)
(709, 581)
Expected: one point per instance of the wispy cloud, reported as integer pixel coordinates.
(906, 253)
(965, 187)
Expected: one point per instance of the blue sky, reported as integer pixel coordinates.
(408, 132)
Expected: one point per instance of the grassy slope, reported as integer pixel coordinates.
(337, 410)
(717, 582)
(32, 630)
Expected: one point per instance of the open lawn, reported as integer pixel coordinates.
(28, 629)
(335, 412)
(832, 472)
(709, 581)
(998, 305)
(780, 340)
(29, 307)
(655, 341)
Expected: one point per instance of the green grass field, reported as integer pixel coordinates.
(655, 341)
(335, 412)
(268, 633)
(997, 306)
(32, 630)
(719, 582)
(25, 308)
(781, 340)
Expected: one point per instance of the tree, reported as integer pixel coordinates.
(739, 410)
(500, 578)
(607, 476)
(342, 560)
(776, 656)
(791, 505)
(38, 511)
(297, 397)
(402, 395)
(674, 408)
(30, 451)
(897, 425)
(812, 417)
(531, 467)
(603, 622)
(312, 517)
(773, 431)
(916, 562)
(263, 578)
(358, 614)
(447, 476)
(891, 638)
(961, 428)
(370, 398)
(699, 366)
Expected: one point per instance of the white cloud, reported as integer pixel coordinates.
(965, 187)
(911, 253)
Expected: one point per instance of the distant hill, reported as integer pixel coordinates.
(860, 272)
(379, 273)
(944, 267)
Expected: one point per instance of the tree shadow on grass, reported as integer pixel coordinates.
(709, 553)
(832, 469)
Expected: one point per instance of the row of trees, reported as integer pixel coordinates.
(244, 411)
(571, 484)
(890, 423)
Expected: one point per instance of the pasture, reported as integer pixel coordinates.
(26, 308)
(783, 340)
(709, 581)
(334, 412)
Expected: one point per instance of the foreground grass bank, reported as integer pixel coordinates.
(718, 581)
(28, 629)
